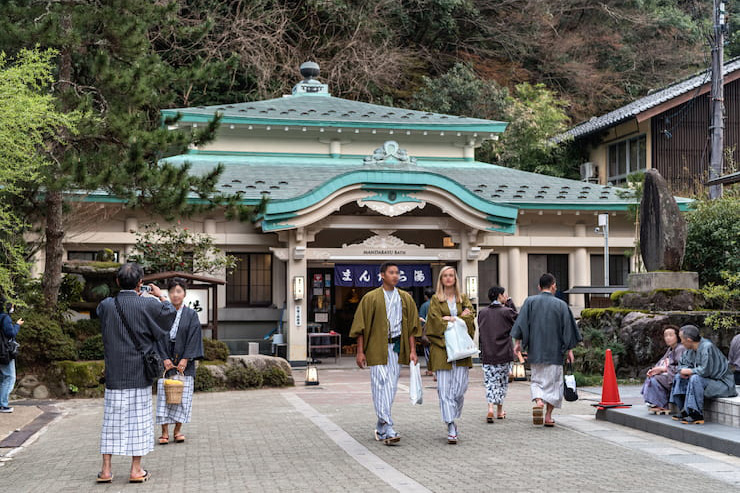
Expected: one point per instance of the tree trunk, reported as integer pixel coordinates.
(54, 248)
(54, 202)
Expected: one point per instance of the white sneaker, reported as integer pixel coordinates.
(6, 409)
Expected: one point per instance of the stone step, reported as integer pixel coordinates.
(714, 436)
(723, 411)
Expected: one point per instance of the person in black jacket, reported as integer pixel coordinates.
(179, 349)
(494, 323)
(127, 415)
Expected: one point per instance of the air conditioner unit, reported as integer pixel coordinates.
(589, 172)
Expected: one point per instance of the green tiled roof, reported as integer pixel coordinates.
(325, 110)
(288, 177)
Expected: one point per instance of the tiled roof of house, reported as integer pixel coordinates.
(326, 110)
(288, 177)
(634, 108)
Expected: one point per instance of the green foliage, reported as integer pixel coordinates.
(214, 350)
(178, 249)
(536, 116)
(243, 377)
(722, 322)
(42, 340)
(204, 380)
(589, 355)
(275, 377)
(534, 113)
(616, 296)
(70, 291)
(600, 312)
(85, 328)
(725, 296)
(92, 348)
(28, 123)
(81, 374)
(713, 238)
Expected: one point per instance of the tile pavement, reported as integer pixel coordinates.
(309, 438)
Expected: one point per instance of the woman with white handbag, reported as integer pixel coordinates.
(448, 307)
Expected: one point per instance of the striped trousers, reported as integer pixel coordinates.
(451, 387)
(383, 385)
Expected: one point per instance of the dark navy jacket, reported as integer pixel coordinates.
(149, 319)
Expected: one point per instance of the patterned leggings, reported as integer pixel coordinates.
(497, 382)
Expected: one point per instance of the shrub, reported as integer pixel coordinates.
(590, 354)
(82, 378)
(82, 329)
(70, 290)
(92, 348)
(275, 377)
(204, 380)
(713, 238)
(240, 377)
(42, 340)
(725, 296)
(214, 350)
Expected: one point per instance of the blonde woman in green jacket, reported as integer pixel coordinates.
(446, 305)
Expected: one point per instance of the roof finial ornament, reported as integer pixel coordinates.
(310, 85)
(309, 70)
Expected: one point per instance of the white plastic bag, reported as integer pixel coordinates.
(415, 388)
(457, 341)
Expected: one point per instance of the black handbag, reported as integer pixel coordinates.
(570, 394)
(152, 361)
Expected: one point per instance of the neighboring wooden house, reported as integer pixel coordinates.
(667, 130)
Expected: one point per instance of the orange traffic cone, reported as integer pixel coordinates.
(610, 390)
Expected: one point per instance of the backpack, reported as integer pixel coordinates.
(8, 346)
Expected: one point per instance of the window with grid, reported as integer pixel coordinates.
(626, 157)
(250, 283)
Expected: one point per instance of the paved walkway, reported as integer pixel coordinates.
(320, 439)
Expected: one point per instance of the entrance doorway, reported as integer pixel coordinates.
(335, 290)
(555, 264)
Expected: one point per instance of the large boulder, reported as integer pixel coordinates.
(641, 334)
(662, 226)
(262, 363)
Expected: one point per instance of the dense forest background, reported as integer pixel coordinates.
(111, 66)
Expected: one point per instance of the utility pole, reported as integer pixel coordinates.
(717, 125)
(604, 227)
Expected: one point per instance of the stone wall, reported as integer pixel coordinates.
(641, 333)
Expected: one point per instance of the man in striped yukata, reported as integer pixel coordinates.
(386, 326)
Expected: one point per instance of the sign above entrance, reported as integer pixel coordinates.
(364, 275)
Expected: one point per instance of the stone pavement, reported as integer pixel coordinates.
(320, 439)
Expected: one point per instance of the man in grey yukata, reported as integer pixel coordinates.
(546, 330)
(703, 371)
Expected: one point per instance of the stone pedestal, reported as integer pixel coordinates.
(650, 281)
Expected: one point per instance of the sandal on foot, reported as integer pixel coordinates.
(140, 479)
(179, 438)
(502, 415)
(164, 439)
(538, 414)
(489, 417)
(550, 424)
(101, 479)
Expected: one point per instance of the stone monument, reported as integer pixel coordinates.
(662, 240)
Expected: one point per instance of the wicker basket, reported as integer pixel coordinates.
(172, 390)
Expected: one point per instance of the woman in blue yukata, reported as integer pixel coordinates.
(179, 349)
(657, 387)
